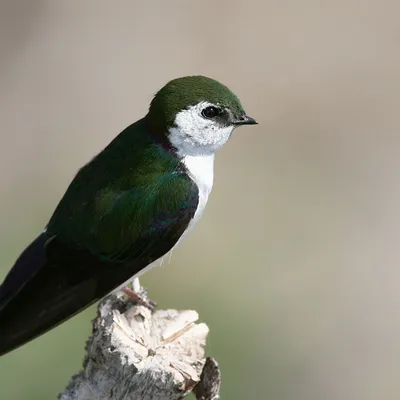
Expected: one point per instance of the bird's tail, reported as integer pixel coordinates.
(27, 264)
(35, 297)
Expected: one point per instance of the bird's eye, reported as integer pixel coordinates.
(210, 112)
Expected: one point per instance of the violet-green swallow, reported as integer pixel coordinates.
(124, 210)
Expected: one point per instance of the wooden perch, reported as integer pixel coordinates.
(138, 354)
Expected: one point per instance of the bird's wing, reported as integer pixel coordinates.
(118, 226)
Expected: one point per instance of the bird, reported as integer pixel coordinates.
(124, 210)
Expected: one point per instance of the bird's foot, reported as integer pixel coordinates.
(139, 299)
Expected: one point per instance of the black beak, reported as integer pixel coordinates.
(245, 120)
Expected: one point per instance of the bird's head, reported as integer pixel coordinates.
(197, 114)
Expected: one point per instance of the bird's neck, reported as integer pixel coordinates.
(199, 166)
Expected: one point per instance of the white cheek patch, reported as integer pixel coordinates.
(192, 134)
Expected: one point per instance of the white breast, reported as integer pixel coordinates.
(201, 171)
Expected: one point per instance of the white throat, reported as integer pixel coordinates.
(194, 135)
(196, 140)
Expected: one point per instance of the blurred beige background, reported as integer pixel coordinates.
(295, 265)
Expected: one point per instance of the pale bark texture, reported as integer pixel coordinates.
(136, 353)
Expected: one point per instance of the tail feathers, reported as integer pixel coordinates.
(37, 296)
(40, 306)
(27, 264)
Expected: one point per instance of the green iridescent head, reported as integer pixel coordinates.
(197, 113)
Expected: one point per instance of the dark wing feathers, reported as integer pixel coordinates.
(55, 278)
